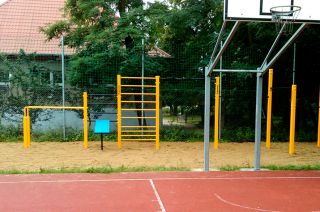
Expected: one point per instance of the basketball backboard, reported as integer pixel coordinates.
(259, 10)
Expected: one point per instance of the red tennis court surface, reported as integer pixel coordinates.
(166, 191)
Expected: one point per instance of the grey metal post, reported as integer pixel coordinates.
(206, 133)
(294, 64)
(63, 87)
(257, 149)
(220, 94)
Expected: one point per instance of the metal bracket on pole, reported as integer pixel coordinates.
(224, 47)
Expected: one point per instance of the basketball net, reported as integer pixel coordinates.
(285, 16)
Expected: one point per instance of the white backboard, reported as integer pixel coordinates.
(259, 10)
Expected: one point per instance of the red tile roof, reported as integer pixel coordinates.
(20, 21)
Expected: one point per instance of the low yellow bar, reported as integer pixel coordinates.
(137, 139)
(146, 86)
(131, 109)
(137, 135)
(292, 119)
(145, 94)
(138, 102)
(137, 117)
(54, 107)
(138, 78)
(137, 131)
(138, 126)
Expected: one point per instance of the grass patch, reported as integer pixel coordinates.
(294, 167)
(103, 170)
(276, 168)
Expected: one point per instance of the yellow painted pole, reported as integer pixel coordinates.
(28, 123)
(85, 120)
(25, 137)
(119, 110)
(216, 114)
(318, 143)
(292, 119)
(157, 112)
(269, 109)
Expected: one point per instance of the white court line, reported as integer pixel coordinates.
(241, 206)
(160, 179)
(157, 195)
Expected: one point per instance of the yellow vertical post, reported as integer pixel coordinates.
(292, 119)
(318, 143)
(119, 110)
(269, 109)
(85, 120)
(157, 112)
(25, 137)
(28, 124)
(216, 113)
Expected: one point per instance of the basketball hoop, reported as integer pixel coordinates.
(285, 15)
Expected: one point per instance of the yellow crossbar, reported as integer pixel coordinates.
(54, 107)
(137, 131)
(137, 117)
(146, 86)
(137, 139)
(138, 135)
(131, 109)
(138, 126)
(153, 102)
(138, 78)
(145, 94)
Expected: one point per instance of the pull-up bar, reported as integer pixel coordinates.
(27, 123)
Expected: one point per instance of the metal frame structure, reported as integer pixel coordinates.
(267, 63)
(133, 132)
(27, 123)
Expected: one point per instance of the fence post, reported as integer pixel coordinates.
(269, 109)
(85, 120)
(292, 119)
(119, 110)
(25, 136)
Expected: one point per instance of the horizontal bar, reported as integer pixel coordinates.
(137, 139)
(138, 78)
(54, 107)
(138, 131)
(138, 117)
(138, 126)
(146, 86)
(146, 94)
(138, 101)
(137, 135)
(235, 71)
(130, 109)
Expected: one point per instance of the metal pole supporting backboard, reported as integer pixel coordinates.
(257, 149)
(206, 136)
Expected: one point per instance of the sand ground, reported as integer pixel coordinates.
(55, 155)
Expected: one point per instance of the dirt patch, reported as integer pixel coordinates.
(54, 155)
